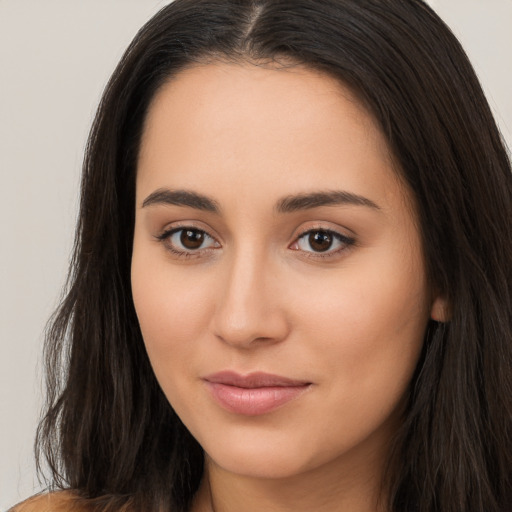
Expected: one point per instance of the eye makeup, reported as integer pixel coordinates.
(189, 241)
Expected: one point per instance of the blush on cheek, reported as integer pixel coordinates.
(168, 305)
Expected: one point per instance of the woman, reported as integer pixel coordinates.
(291, 284)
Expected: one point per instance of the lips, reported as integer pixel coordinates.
(255, 393)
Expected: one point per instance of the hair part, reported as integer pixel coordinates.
(109, 432)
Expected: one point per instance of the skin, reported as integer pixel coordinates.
(61, 501)
(256, 296)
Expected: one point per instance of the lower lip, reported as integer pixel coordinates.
(254, 401)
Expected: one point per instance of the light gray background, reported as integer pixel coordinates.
(55, 58)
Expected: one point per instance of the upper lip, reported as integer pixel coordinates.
(253, 380)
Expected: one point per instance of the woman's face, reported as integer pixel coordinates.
(277, 269)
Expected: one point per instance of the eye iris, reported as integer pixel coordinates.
(192, 239)
(320, 241)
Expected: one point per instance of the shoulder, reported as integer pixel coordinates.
(62, 501)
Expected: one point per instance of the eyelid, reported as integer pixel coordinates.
(348, 241)
(187, 224)
(165, 235)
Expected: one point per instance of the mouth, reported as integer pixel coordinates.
(253, 394)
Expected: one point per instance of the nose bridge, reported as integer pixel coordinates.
(248, 308)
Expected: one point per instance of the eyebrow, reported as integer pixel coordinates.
(309, 201)
(288, 204)
(181, 198)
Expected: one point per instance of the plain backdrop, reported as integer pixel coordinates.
(55, 59)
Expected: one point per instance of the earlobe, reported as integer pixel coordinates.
(440, 310)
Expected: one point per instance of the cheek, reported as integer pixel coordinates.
(366, 336)
(173, 313)
(368, 323)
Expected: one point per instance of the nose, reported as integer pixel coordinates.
(249, 311)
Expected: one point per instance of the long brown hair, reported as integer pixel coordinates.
(110, 434)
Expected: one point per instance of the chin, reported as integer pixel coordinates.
(265, 458)
(261, 466)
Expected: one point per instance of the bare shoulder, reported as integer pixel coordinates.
(62, 501)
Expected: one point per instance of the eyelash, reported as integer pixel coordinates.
(166, 236)
(346, 242)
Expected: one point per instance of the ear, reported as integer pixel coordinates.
(440, 310)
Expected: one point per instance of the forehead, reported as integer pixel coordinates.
(218, 124)
(229, 94)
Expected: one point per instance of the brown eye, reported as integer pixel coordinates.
(188, 241)
(192, 238)
(320, 241)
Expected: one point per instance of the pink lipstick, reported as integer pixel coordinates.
(255, 393)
